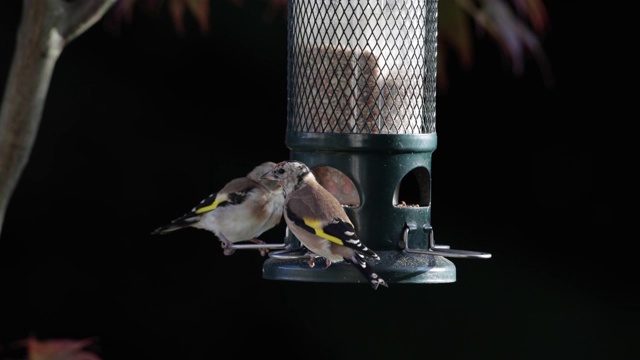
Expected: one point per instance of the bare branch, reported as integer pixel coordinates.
(45, 28)
(81, 15)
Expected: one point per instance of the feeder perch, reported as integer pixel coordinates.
(361, 113)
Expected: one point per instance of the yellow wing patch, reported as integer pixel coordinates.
(219, 199)
(316, 225)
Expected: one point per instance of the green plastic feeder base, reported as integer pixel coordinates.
(393, 267)
(401, 235)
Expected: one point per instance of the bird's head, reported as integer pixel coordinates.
(259, 172)
(289, 174)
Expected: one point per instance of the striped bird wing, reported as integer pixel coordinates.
(322, 216)
(233, 193)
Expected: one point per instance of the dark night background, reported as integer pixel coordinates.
(139, 126)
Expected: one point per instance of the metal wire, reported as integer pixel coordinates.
(442, 250)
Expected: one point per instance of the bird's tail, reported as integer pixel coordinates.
(177, 224)
(367, 270)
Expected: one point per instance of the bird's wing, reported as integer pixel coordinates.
(316, 210)
(233, 193)
(322, 216)
(336, 230)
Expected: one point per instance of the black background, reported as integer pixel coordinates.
(140, 125)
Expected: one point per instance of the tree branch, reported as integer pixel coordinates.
(81, 15)
(45, 28)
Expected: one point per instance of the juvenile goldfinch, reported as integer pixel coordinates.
(242, 210)
(319, 221)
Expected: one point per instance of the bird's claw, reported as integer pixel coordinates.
(312, 259)
(263, 251)
(226, 245)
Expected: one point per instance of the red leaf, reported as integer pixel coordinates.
(59, 349)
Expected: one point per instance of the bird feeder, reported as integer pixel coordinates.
(361, 113)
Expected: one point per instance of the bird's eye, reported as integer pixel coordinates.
(280, 171)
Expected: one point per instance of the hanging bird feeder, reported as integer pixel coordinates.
(361, 114)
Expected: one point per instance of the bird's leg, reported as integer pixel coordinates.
(312, 259)
(263, 251)
(226, 245)
(328, 263)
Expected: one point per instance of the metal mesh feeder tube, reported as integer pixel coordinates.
(361, 114)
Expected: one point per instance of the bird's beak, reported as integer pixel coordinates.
(268, 176)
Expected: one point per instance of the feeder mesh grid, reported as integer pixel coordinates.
(362, 66)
